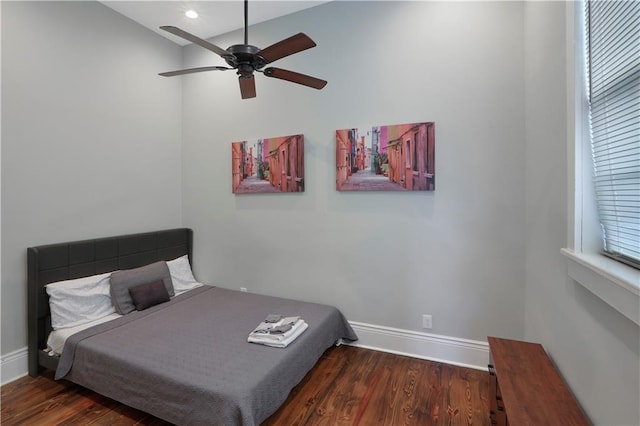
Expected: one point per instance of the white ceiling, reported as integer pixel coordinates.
(216, 16)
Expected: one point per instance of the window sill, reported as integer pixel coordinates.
(615, 283)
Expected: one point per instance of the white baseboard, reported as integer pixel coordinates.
(13, 366)
(432, 347)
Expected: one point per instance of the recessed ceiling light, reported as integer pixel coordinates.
(191, 14)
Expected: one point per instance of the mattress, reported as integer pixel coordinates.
(188, 361)
(57, 338)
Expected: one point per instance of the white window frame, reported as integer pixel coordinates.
(615, 283)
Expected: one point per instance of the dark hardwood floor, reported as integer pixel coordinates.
(348, 386)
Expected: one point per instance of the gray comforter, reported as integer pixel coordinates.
(188, 360)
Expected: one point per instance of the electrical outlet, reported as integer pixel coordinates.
(427, 321)
(243, 289)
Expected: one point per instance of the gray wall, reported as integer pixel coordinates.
(90, 135)
(384, 258)
(596, 348)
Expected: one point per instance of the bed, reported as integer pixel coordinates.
(185, 360)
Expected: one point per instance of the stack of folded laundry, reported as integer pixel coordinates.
(278, 331)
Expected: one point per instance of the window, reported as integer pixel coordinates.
(612, 44)
(614, 282)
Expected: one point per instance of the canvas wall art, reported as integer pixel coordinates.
(399, 157)
(268, 165)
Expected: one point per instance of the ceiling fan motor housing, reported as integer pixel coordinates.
(245, 58)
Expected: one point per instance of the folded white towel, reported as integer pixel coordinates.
(265, 340)
(263, 331)
(275, 324)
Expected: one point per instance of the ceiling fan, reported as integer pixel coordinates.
(245, 59)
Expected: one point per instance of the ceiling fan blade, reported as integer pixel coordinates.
(192, 70)
(289, 46)
(196, 40)
(295, 77)
(247, 86)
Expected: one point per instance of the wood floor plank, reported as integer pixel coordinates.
(385, 387)
(431, 394)
(358, 379)
(349, 386)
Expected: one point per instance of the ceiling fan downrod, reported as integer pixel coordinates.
(246, 21)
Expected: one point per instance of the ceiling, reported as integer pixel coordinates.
(216, 16)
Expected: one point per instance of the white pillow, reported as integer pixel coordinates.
(79, 301)
(181, 275)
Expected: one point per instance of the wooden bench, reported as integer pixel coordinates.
(527, 389)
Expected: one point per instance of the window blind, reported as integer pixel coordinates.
(613, 75)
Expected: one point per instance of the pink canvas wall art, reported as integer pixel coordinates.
(399, 157)
(268, 165)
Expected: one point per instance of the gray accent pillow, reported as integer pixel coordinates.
(122, 281)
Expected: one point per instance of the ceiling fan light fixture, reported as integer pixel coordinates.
(191, 14)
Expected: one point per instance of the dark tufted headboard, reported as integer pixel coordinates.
(76, 259)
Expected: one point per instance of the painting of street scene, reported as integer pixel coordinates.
(400, 157)
(268, 165)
